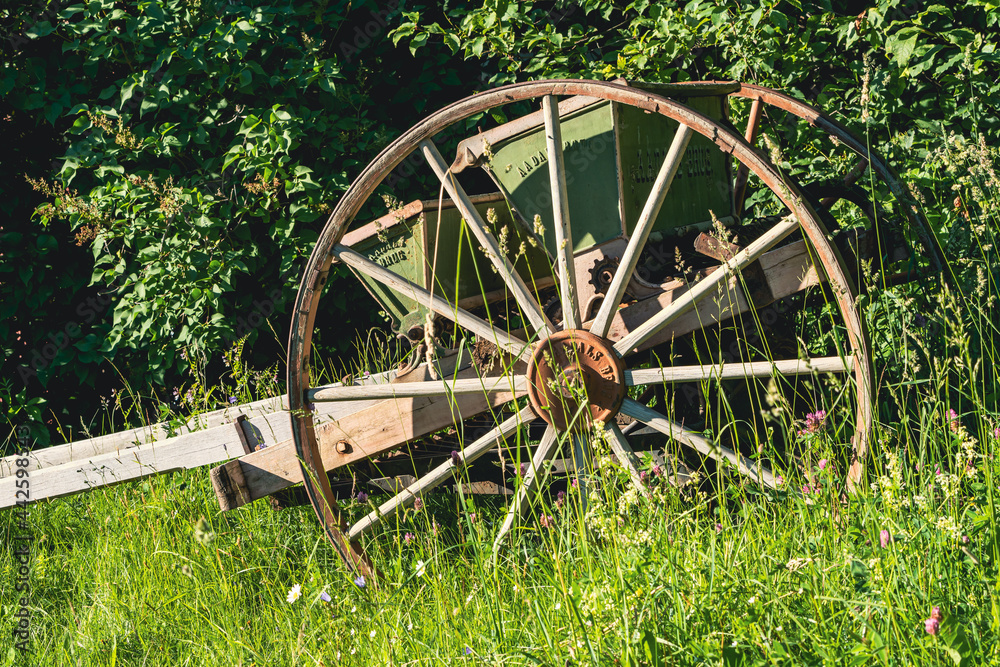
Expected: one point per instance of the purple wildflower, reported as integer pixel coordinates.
(360, 581)
(814, 422)
(325, 597)
(657, 470)
(523, 470)
(953, 422)
(456, 458)
(718, 527)
(232, 400)
(362, 497)
(468, 651)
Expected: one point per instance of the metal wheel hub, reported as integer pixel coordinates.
(574, 367)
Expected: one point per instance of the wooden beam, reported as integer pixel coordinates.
(363, 434)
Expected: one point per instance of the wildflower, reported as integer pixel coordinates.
(468, 651)
(965, 539)
(996, 433)
(418, 504)
(779, 479)
(408, 537)
(523, 470)
(822, 464)
(718, 527)
(456, 459)
(883, 538)
(360, 581)
(324, 596)
(814, 422)
(657, 471)
(362, 497)
(294, 593)
(932, 625)
(371, 634)
(472, 517)
(936, 613)
(643, 476)
(560, 499)
(421, 568)
(232, 400)
(547, 521)
(953, 422)
(558, 606)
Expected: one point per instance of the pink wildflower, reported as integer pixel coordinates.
(822, 463)
(418, 504)
(547, 521)
(884, 538)
(409, 537)
(953, 421)
(932, 625)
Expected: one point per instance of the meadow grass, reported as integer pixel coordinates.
(903, 570)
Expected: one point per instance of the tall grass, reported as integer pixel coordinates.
(902, 571)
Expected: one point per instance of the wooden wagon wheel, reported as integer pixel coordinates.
(588, 363)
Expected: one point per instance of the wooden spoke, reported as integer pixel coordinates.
(626, 457)
(522, 295)
(565, 268)
(515, 384)
(718, 452)
(441, 306)
(650, 212)
(740, 183)
(707, 285)
(443, 472)
(529, 485)
(643, 376)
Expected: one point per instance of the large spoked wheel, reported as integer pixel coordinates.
(768, 327)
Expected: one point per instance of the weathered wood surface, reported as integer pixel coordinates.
(360, 435)
(83, 466)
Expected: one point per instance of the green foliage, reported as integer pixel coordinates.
(201, 146)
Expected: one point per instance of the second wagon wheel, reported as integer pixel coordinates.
(607, 260)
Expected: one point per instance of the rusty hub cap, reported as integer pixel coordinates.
(571, 367)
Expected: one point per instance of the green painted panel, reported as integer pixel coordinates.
(520, 165)
(703, 180)
(400, 249)
(462, 269)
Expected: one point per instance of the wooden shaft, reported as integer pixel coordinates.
(441, 306)
(522, 295)
(546, 449)
(716, 451)
(687, 300)
(643, 376)
(650, 212)
(443, 472)
(742, 174)
(516, 384)
(565, 267)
